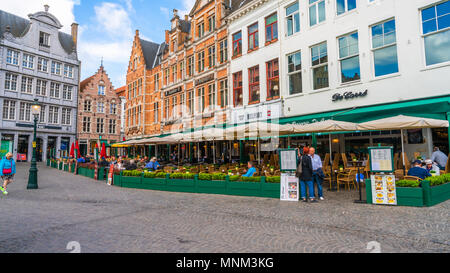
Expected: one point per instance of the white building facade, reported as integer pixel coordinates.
(351, 60)
(37, 61)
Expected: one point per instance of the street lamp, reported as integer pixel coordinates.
(33, 178)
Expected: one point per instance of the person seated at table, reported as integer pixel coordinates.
(439, 157)
(81, 160)
(130, 166)
(430, 166)
(141, 164)
(153, 165)
(418, 171)
(251, 169)
(103, 162)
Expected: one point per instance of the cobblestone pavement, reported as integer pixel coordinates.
(109, 219)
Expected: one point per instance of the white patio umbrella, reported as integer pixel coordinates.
(402, 123)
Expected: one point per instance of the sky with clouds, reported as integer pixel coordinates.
(106, 28)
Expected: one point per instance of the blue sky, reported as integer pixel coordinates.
(107, 28)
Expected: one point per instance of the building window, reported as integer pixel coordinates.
(271, 28)
(68, 71)
(156, 112)
(42, 115)
(349, 58)
(11, 82)
(182, 70)
(201, 99)
(101, 90)
(56, 68)
(100, 107)
(156, 79)
(212, 96)
(223, 51)
(86, 124)
(166, 76)
(190, 66)
(42, 65)
(182, 104)
(28, 61)
(100, 125)
(12, 57)
(113, 108)
(343, 6)
(9, 110)
(41, 88)
(53, 113)
(67, 92)
(436, 33)
(273, 80)
(211, 56)
(166, 109)
(316, 12)
(112, 127)
(319, 59)
(65, 116)
(44, 39)
(292, 19)
(174, 107)
(223, 90)
(27, 85)
(191, 102)
(238, 98)
(201, 29)
(384, 47)
(201, 61)
(253, 84)
(174, 73)
(87, 106)
(25, 111)
(253, 40)
(237, 44)
(211, 23)
(54, 90)
(295, 73)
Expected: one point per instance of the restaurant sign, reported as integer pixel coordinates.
(205, 79)
(349, 95)
(173, 91)
(259, 113)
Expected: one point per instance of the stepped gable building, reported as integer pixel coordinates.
(37, 61)
(99, 110)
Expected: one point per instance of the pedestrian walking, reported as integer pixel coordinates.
(306, 176)
(7, 171)
(318, 174)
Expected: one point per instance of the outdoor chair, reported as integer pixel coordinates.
(336, 160)
(266, 159)
(347, 167)
(223, 169)
(326, 163)
(412, 178)
(347, 179)
(396, 157)
(399, 174)
(252, 157)
(447, 166)
(242, 171)
(194, 170)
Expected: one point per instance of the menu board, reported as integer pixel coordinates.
(289, 187)
(383, 190)
(381, 159)
(288, 160)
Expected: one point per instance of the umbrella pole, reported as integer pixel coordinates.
(214, 151)
(178, 154)
(403, 154)
(331, 162)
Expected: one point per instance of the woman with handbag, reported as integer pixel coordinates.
(306, 176)
(7, 171)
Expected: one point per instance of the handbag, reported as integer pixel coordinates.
(299, 171)
(7, 171)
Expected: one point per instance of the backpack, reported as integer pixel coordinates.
(299, 171)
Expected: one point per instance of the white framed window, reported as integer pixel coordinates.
(112, 127)
(100, 107)
(317, 13)
(342, 6)
(86, 124)
(42, 114)
(101, 90)
(292, 19)
(53, 114)
(66, 116)
(384, 48)
(156, 112)
(67, 92)
(211, 56)
(113, 108)
(42, 65)
(100, 125)
(319, 60)
(436, 33)
(11, 82)
(41, 88)
(54, 90)
(212, 96)
(28, 61)
(68, 71)
(44, 39)
(25, 111)
(56, 68)
(12, 57)
(294, 62)
(223, 51)
(9, 110)
(87, 106)
(223, 93)
(349, 58)
(27, 85)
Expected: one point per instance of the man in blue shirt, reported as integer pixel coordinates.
(153, 165)
(81, 160)
(251, 170)
(317, 171)
(418, 171)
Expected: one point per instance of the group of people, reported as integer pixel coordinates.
(311, 175)
(434, 165)
(143, 163)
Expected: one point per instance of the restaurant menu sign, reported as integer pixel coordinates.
(383, 190)
(381, 159)
(289, 187)
(288, 160)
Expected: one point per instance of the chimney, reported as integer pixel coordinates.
(137, 32)
(75, 34)
(167, 37)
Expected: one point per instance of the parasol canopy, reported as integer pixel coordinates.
(402, 122)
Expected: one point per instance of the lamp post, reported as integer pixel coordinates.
(33, 178)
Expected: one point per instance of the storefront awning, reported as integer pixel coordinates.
(402, 122)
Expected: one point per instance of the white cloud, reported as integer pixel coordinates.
(114, 19)
(187, 6)
(164, 10)
(61, 9)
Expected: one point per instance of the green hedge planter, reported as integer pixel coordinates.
(101, 174)
(212, 187)
(158, 184)
(117, 181)
(180, 185)
(48, 163)
(425, 196)
(66, 167)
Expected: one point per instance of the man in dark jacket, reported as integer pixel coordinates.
(306, 178)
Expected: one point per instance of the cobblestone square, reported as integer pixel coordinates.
(108, 219)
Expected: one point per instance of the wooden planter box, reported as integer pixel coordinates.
(424, 196)
(131, 182)
(48, 163)
(66, 167)
(158, 184)
(212, 187)
(117, 180)
(181, 185)
(244, 188)
(270, 190)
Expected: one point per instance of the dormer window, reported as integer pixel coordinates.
(44, 39)
(101, 89)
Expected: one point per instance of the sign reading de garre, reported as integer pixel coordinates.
(349, 95)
